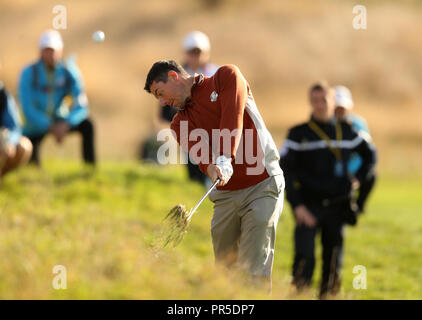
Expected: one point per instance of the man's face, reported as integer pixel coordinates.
(193, 58)
(340, 112)
(51, 56)
(196, 58)
(171, 93)
(322, 104)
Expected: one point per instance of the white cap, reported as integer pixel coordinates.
(196, 39)
(343, 97)
(51, 39)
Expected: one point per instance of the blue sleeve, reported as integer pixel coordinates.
(359, 123)
(368, 154)
(37, 119)
(11, 120)
(79, 110)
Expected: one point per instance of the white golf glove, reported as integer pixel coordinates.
(225, 166)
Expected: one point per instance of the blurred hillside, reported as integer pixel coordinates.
(282, 47)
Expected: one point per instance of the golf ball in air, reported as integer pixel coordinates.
(98, 36)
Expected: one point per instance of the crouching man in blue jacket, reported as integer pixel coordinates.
(45, 89)
(15, 149)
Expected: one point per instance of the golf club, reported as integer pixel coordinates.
(202, 199)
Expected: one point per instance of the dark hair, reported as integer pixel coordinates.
(320, 86)
(159, 72)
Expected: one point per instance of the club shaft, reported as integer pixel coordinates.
(202, 199)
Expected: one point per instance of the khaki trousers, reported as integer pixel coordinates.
(244, 225)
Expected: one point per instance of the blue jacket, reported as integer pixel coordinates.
(9, 117)
(43, 100)
(360, 126)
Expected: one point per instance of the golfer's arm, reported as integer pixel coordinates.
(233, 96)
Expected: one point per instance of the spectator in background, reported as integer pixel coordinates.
(53, 99)
(344, 104)
(314, 158)
(197, 49)
(15, 150)
(198, 54)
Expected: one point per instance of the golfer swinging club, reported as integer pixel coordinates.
(249, 197)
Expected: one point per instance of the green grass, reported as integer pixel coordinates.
(100, 225)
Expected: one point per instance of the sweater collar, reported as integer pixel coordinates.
(198, 80)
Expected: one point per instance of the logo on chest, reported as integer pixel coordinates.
(213, 96)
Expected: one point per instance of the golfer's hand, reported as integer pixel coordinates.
(214, 172)
(304, 216)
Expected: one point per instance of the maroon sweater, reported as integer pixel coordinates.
(219, 102)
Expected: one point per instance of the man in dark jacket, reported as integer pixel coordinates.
(318, 187)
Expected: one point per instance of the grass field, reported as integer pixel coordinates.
(100, 225)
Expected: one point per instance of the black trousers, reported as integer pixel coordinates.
(85, 128)
(331, 225)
